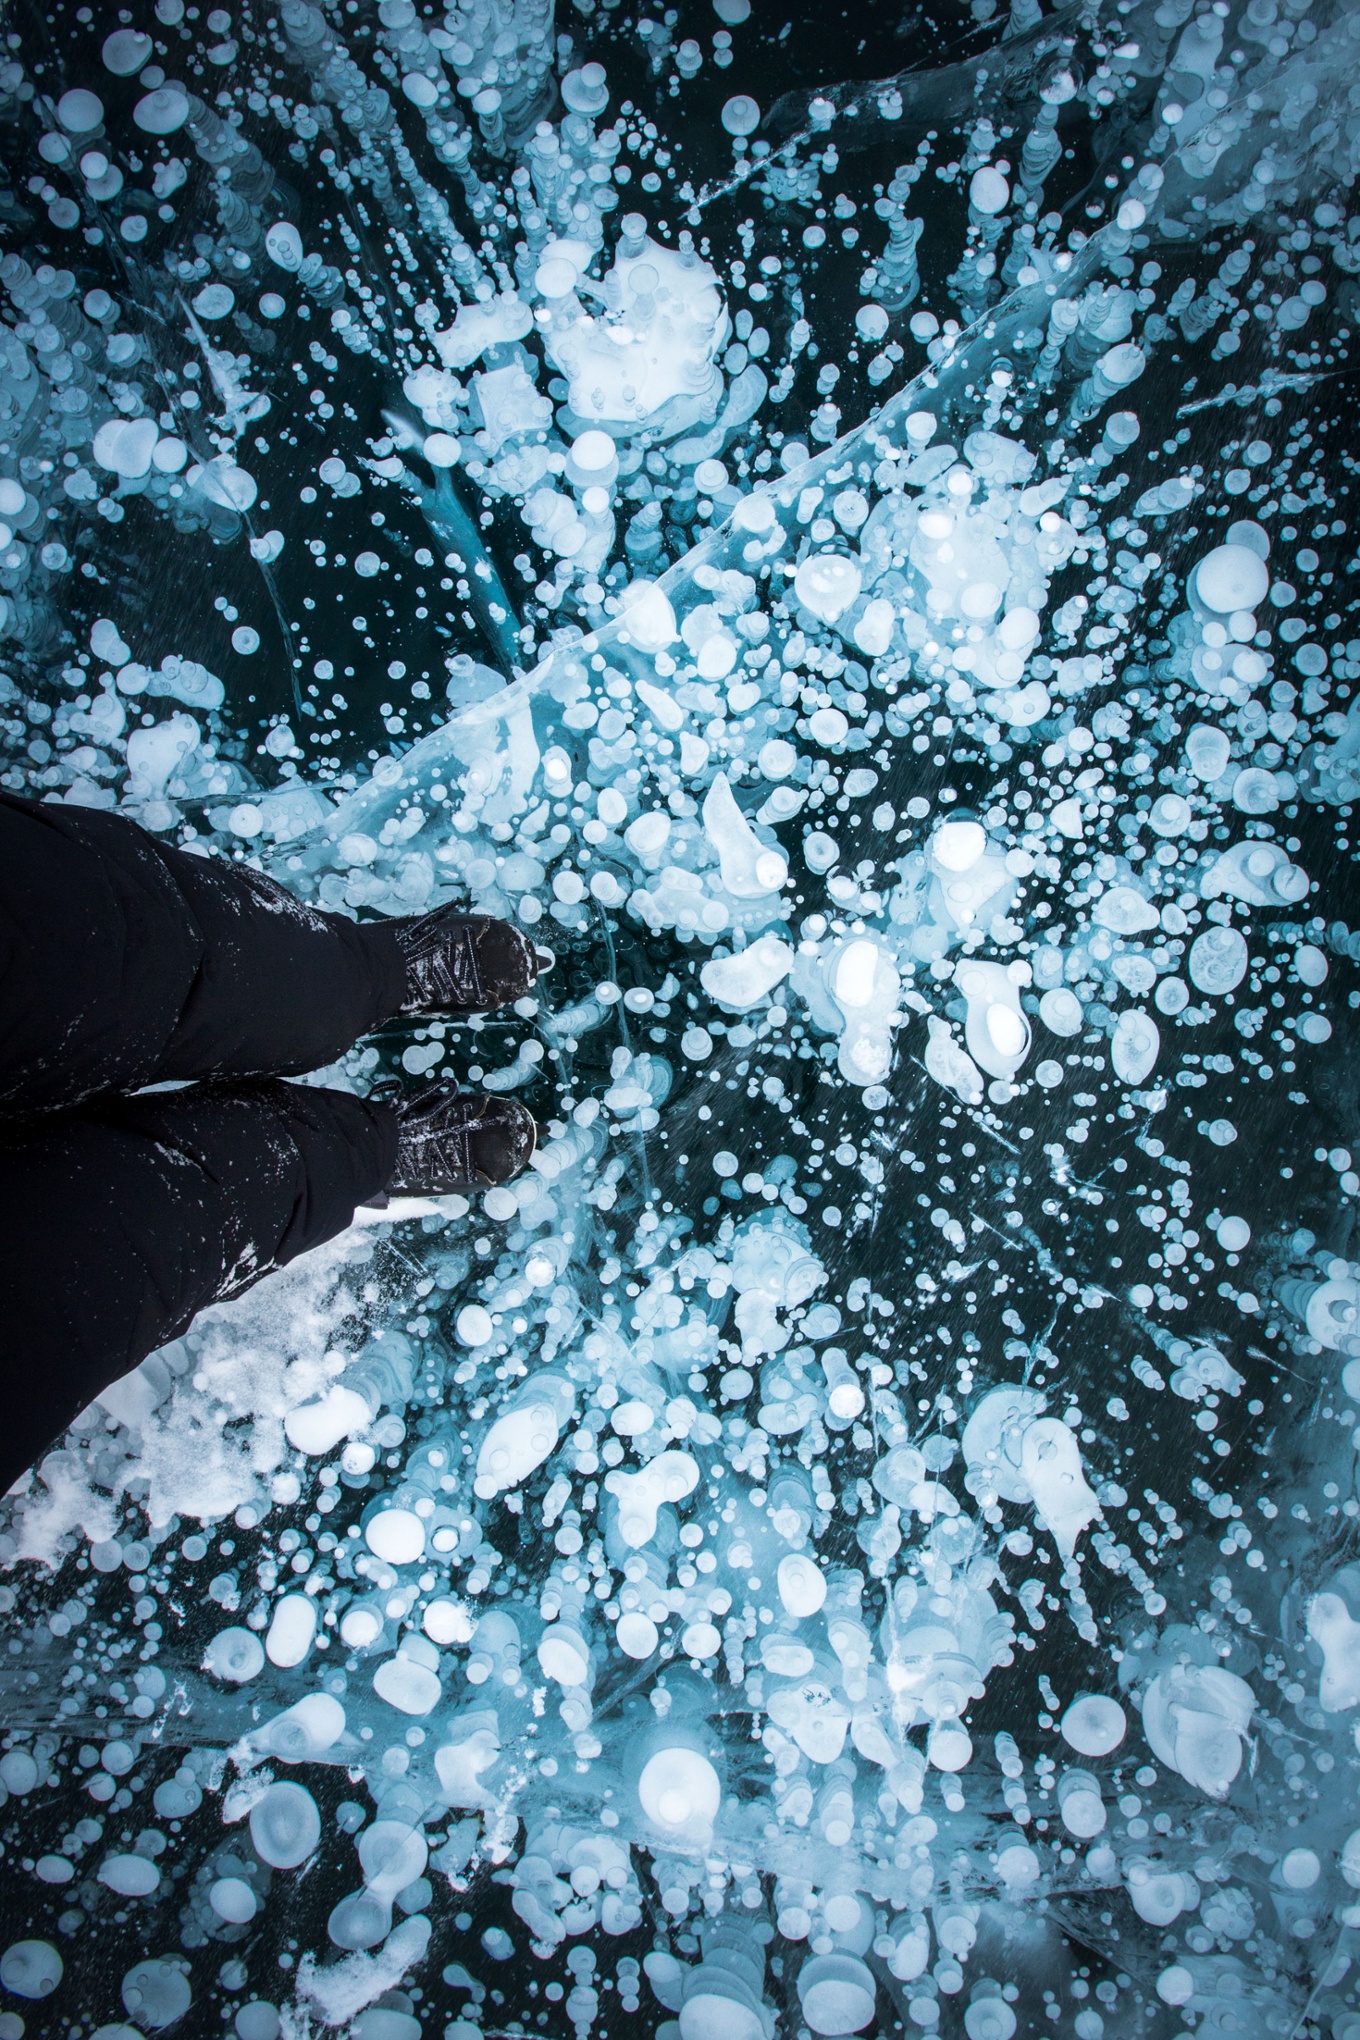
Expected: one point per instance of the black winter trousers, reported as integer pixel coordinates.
(125, 962)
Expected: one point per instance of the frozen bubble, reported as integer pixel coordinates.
(563, 1655)
(441, 449)
(163, 111)
(397, 1536)
(1093, 1725)
(284, 1826)
(667, 1478)
(125, 446)
(555, 277)
(18, 1772)
(957, 846)
(80, 112)
(126, 51)
(1231, 577)
(696, 1044)
(586, 91)
(648, 617)
(638, 1636)
(366, 565)
(777, 758)
(837, 1994)
(446, 1621)
(393, 1854)
(820, 850)
(989, 2018)
(732, 13)
(215, 301)
(1218, 960)
(1171, 815)
(989, 192)
(741, 981)
(827, 583)
(1049, 1074)
(1081, 1806)
(1195, 1718)
(1018, 628)
(156, 1993)
(130, 1876)
(949, 1746)
(313, 1427)
(594, 452)
(257, 2021)
(312, 1725)
(272, 306)
(409, 1681)
(1134, 1046)
(1125, 911)
(828, 727)
(31, 1969)
(360, 1921)
(1209, 751)
(1256, 791)
(291, 1629)
(873, 632)
(517, 1442)
(360, 1626)
(1300, 1869)
(283, 245)
(245, 640)
(1060, 1011)
(106, 644)
(473, 1325)
(1233, 1234)
(233, 1900)
(679, 1790)
(741, 115)
(802, 1587)
(1175, 1985)
(1310, 964)
(871, 322)
(1018, 1866)
(234, 1655)
(632, 1419)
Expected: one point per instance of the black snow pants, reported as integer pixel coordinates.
(124, 963)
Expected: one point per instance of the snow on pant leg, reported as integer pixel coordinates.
(124, 961)
(122, 1219)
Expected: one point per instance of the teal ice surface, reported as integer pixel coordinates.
(859, 1536)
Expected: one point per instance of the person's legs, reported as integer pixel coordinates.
(125, 961)
(122, 1219)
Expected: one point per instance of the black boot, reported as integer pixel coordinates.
(464, 963)
(457, 1140)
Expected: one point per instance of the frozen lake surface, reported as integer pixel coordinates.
(842, 524)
